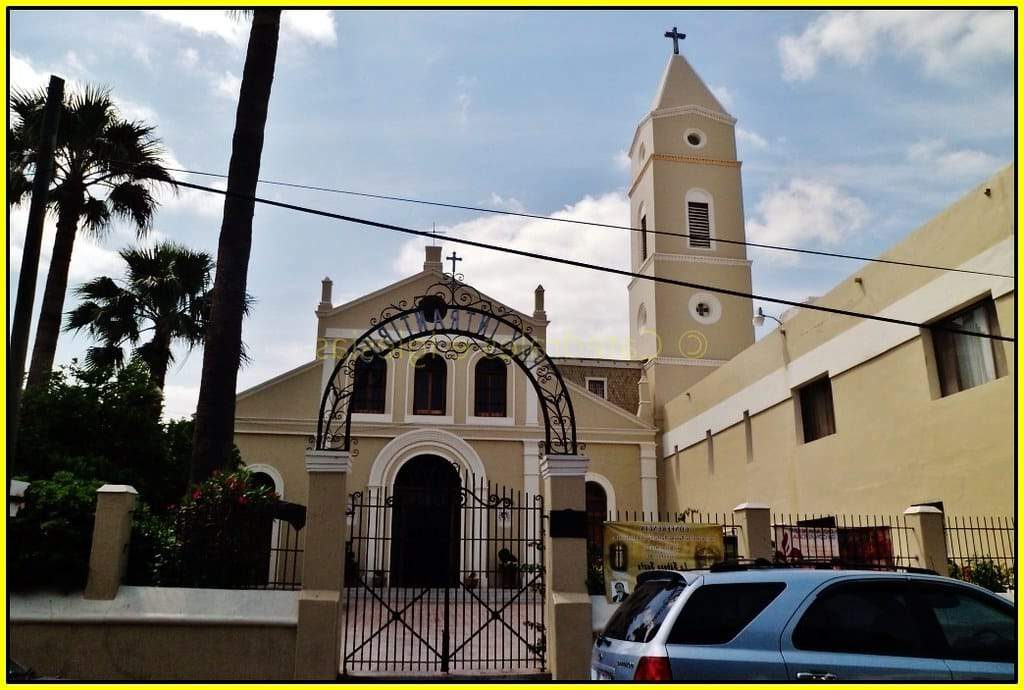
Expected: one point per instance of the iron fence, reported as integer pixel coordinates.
(219, 557)
(874, 542)
(981, 550)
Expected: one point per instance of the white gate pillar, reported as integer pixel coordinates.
(569, 629)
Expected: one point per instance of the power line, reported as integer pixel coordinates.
(593, 267)
(520, 214)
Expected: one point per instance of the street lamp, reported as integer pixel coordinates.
(761, 316)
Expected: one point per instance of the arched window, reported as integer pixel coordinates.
(641, 319)
(642, 224)
(489, 388)
(700, 219)
(430, 385)
(370, 385)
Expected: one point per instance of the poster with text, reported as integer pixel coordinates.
(634, 547)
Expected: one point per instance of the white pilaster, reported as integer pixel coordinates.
(649, 477)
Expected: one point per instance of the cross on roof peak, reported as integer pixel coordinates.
(676, 37)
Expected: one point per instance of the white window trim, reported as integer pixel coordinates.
(603, 379)
(700, 196)
(609, 490)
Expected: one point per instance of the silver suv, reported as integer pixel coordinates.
(777, 624)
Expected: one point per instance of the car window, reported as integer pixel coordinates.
(640, 616)
(715, 614)
(972, 628)
(863, 618)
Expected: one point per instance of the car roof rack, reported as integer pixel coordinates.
(741, 564)
(670, 575)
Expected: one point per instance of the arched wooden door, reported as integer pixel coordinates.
(425, 529)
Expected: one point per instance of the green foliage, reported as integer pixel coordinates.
(52, 533)
(983, 572)
(153, 549)
(102, 425)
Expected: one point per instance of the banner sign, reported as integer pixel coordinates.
(633, 547)
(847, 546)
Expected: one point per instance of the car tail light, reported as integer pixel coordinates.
(653, 668)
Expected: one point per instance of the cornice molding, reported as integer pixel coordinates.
(685, 362)
(694, 160)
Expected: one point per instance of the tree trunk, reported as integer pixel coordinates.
(215, 414)
(162, 355)
(51, 315)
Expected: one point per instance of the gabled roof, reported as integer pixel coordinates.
(681, 86)
(439, 275)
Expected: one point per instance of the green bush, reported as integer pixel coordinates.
(983, 572)
(218, 537)
(52, 534)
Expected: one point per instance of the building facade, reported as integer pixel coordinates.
(825, 414)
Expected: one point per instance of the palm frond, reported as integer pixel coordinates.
(132, 201)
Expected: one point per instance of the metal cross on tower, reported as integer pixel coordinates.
(676, 37)
(453, 258)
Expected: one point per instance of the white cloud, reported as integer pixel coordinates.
(464, 98)
(750, 137)
(315, 26)
(724, 95)
(462, 103)
(622, 161)
(942, 159)
(227, 86)
(507, 203)
(180, 401)
(803, 213)
(188, 58)
(304, 26)
(945, 42)
(588, 310)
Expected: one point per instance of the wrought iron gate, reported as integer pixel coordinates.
(444, 577)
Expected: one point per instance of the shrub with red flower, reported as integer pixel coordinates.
(223, 529)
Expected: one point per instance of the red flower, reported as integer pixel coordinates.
(242, 500)
(197, 494)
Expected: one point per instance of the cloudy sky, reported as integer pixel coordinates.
(854, 128)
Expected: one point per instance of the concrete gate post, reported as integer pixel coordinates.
(569, 630)
(111, 537)
(754, 521)
(318, 638)
(928, 524)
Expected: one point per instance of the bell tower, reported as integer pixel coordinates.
(686, 196)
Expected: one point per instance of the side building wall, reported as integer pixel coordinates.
(736, 436)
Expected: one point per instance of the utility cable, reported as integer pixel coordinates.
(593, 267)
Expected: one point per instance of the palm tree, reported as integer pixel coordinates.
(215, 413)
(165, 293)
(105, 167)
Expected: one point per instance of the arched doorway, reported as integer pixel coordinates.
(425, 530)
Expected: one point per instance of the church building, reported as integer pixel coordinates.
(826, 413)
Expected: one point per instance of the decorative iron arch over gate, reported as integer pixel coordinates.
(450, 319)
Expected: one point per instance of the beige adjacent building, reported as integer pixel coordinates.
(824, 414)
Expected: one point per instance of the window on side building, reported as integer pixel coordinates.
(598, 387)
(966, 361)
(816, 411)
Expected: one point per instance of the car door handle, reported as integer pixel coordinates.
(817, 676)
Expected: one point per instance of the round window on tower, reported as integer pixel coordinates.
(695, 138)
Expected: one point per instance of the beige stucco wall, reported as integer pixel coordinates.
(897, 441)
(118, 652)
